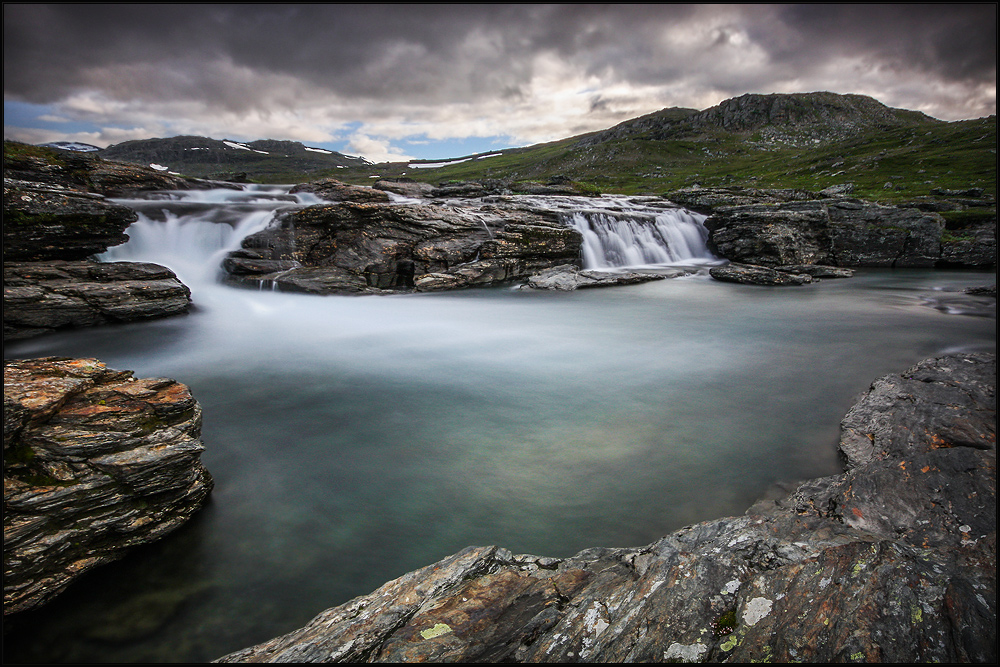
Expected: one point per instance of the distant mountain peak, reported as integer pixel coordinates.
(76, 146)
(205, 157)
(792, 118)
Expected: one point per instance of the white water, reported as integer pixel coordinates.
(632, 239)
(191, 232)
(354, 439)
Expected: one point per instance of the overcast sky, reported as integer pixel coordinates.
(393, 82)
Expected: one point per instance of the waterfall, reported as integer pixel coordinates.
(190, 232)
(636, 238)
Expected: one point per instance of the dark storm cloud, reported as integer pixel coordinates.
(957, 42)
(370, 50)
(529, 72)
(432, 50)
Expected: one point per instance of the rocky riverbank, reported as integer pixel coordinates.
(892, 561)
(96, 462)
(56, 219)
(779, 228)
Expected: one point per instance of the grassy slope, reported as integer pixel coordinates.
(914, 159)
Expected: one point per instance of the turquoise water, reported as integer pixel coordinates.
(353, 439)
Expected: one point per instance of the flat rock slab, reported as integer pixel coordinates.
(568, 277)
(41, 297)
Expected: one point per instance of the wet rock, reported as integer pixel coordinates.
(405, 188)
(568, 277)
(44, 222)
(892, 561)
(794, 227)
(96, 461)
(369, 248)
(817, 270)
(42, 297)
(331, 189)
(747, 274)
(974, 246)
(836, 232)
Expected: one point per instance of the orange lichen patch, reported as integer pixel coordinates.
(937, 442)
(857, 513)
(925, 469)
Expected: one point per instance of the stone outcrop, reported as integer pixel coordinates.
(797, 227)
(43, 222)
(748, 274)
(331, 189)
(786, 274)
(88, 173)
(351, 247)
(51, 232)
(404, 187)
(42, 297)
(892, 561)
(96, 461)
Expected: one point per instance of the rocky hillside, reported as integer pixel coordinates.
(809, 141)
(800, 118)
(203, 157)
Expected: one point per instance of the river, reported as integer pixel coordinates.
(353, 439)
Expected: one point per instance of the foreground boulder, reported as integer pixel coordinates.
(42, 297)
(351, 247)
(96, 461)
(892, 561)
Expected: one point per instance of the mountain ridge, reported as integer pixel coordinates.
(205, 157)
(801, 140)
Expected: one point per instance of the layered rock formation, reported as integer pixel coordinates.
(351, 247)
(88, 173)
(42, 297)
(50, 232)
(794, 227)
(892, 561)
(96, 461)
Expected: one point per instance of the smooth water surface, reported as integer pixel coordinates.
(353, 439)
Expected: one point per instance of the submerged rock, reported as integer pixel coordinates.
(96, 461)
(568, 277)
(758, 275)
(892, 561)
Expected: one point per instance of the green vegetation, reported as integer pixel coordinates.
(820, 140)
(888, 165)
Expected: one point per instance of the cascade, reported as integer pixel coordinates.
(636, 238)
(190, 232)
